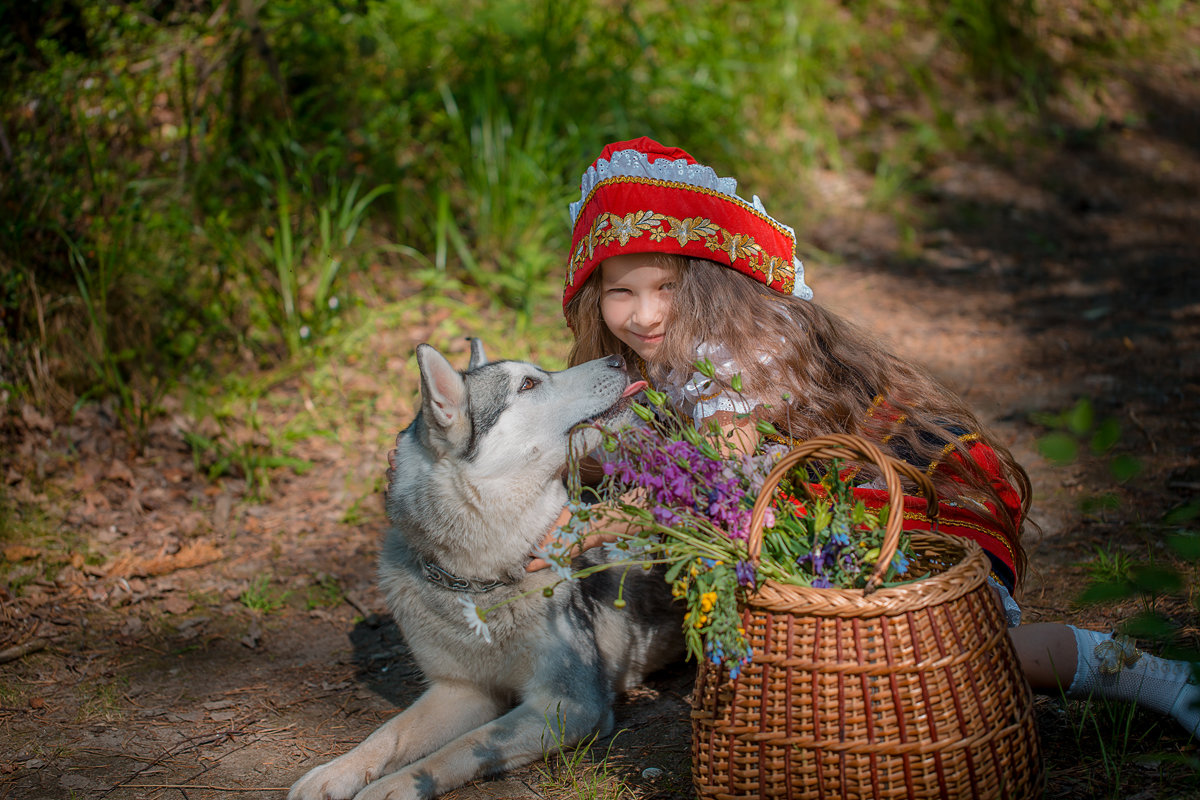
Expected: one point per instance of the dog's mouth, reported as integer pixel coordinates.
(622, 403)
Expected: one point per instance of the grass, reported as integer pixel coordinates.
(576, 772)
(260, 597)
(102, 700)
(188, 229)
(324, 592)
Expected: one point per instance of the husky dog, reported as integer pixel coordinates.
(476, 485)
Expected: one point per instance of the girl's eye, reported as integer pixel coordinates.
(529, 383)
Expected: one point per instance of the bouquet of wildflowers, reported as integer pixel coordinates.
(682, 498)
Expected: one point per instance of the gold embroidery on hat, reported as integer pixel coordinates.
(737, 247)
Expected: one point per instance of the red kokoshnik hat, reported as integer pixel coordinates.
(642, 197)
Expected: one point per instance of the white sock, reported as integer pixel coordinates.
(1113, 668)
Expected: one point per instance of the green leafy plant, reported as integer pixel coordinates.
(1077, 431)
(249, 459)
(260, 597)
(575, 772)
(326, 592)
(294, 259)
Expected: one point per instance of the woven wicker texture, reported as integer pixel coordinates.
(911, 691)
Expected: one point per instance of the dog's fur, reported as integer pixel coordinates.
(475, 487)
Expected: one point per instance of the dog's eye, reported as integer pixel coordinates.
(529, 383)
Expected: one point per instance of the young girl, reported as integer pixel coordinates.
(669, 265)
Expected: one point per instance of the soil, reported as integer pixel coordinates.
(185, 639)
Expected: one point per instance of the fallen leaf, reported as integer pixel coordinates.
(35, 419)
(119, 471)
(175, 604)
(37, 702)
(20, 552)
(194, 554)
(84, 480)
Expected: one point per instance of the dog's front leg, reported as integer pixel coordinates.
(525, 734)
(445, 711)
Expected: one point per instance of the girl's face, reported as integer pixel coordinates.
(635, 300)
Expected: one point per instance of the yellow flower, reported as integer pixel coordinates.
(707, 601)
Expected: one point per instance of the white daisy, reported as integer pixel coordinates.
(557, 553)
(474, 617)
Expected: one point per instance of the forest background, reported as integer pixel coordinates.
(224, 224)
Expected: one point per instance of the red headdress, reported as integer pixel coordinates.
(642, 197)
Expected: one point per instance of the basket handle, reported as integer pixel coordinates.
(835, 446)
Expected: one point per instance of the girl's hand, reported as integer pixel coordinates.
(593, 540)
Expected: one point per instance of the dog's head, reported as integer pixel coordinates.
(509, 416)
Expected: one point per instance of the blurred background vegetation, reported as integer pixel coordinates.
(192, 188)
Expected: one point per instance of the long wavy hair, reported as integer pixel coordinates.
(818, 374)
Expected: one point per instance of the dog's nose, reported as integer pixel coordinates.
(616, 362)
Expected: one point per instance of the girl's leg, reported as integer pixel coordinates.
(1047, 654)
(1083, 664)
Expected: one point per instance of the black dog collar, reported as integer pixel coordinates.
(448, 580)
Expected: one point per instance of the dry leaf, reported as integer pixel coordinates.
(35, 419)
(175, 604)
(119, 471)
(20, 552)
(195, 554)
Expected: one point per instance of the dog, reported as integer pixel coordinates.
(476, 485)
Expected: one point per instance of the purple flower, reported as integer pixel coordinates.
(665, 516)
(745, 573)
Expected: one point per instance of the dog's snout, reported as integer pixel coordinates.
(616, 362)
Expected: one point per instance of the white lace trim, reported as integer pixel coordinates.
(697, 393)
(636, 164)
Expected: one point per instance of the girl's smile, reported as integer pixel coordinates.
(635, 300)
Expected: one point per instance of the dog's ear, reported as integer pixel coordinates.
(443, 393)
(478, 357)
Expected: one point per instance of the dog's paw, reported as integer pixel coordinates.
(399, 786)
(340, 779)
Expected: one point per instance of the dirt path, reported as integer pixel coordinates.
(167, 663)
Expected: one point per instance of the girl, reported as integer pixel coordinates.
(669, 265)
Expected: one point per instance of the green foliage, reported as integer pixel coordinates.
(245, 451)
(1076, 428)
(259, 596)
(292, 256)
(190, 182)
(576, 772)
(1114, 575)
(326, 592)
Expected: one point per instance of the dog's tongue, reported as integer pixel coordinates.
(634, 388)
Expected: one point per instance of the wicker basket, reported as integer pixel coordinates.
(911, 691)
